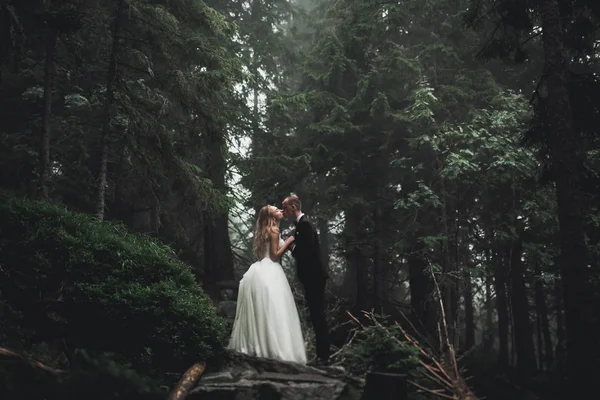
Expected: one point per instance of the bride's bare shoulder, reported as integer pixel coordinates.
(274, 233)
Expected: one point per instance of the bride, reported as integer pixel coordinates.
(266, 321)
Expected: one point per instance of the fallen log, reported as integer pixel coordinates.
(12, 356)
(188, 381)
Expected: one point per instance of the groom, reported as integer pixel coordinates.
(311, 271)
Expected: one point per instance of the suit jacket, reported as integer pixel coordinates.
(309, 262)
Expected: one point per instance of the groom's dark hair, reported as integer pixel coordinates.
(294, 200)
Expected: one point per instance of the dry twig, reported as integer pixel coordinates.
(438, 393)
(341, 349)
(355, 319)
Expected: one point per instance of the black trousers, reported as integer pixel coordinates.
(314, 293)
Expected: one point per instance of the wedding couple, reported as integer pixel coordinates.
(266, 321)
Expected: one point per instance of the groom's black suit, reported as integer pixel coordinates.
(313, 275)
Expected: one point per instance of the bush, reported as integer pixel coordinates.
(97, 287)
(381, 348)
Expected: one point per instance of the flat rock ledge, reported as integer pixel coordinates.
(241, 377)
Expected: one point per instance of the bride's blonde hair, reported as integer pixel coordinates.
(265, 225)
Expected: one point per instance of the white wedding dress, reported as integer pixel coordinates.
(266, 319)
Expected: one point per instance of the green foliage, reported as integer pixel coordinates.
(102, 289)
(380, 347)
(177, 70)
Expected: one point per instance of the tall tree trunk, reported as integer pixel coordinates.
(523, 334)
(489, 314)
(49, 81)
(560, 324)
(356, 281)
(511, 326)
(456, 268)
(108, 108)
(449, 289)
(544, 324)
(381, 164)
(582, 339)
(119, 212)
(421, 288)
(424, 306)
(378, 259)
(539, 340)
(218, 257)
(258, 147)
(469, 312)
(502, 308)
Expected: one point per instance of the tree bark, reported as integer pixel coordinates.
(544, 323)
(489, 314)
(449, 289)
(218, 257)
(421, 288)
(560, 325)
(540, 341)
(188, 381)
(356, 281)
(108, 106)
(502, 308)
(523, 334)
(582, 339)
(378, 260)
(49, 81)
(469, 312)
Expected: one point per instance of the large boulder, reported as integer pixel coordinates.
(241, 377)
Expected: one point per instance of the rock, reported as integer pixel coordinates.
(217, 378)
(226, 308)
(242, 377)
(227, 289)
(227, 294)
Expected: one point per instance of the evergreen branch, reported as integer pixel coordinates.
(157, 27)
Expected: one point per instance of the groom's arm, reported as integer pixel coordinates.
(304, 240)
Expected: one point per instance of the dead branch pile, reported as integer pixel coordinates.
(445, 376)
(442, 372)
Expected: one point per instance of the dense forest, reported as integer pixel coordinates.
(446, 151)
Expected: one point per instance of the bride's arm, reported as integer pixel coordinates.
(275, 251)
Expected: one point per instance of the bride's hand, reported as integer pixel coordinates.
(290, 240)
